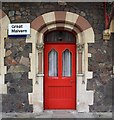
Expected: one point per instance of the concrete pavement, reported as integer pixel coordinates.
(57, 114)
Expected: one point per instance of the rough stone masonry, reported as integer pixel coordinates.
(18, 62)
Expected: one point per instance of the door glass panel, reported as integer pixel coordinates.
(53, 63)
(59, 37)
(67, 63)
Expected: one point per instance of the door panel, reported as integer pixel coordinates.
(60, 76)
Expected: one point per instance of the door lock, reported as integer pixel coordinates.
(71, 81)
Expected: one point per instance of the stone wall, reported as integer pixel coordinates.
(18, 62)
(101, 64)
(18, 65)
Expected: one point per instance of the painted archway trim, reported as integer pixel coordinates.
(4, 21)
(56, 17)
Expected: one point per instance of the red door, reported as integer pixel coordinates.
(60, 76)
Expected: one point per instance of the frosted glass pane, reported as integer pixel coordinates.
(53, 64)
(67, 63)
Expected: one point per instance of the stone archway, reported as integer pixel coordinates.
(84, 34)
(4, 21)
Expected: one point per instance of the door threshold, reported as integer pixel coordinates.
(68, 111)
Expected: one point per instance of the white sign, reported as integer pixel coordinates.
(19, 29)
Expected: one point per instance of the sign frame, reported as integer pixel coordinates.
(19, 29)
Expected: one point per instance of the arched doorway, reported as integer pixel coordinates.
(84, 34)
(59, 70)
